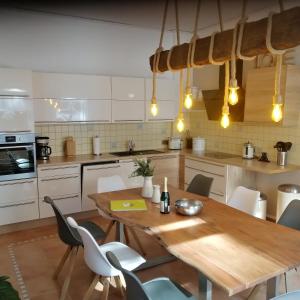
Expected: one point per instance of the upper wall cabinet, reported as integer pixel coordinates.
(128, 88)
(15, 82)
(260, 91)
(166, 89)
(70, 86)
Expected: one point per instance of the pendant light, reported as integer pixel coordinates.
(225, 121)
(154, 106)
(188, 97)
(277, 114)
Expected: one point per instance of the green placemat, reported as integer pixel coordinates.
(128, 205)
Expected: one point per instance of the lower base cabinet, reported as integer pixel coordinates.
(63, 185)
(18, 201)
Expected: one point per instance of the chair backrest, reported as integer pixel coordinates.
(67, 234)
(200, 185)
(94, 256)
(244, 199)
(134, 287)
(291, 215)
(110, 184)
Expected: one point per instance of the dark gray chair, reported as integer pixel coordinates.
(291, 218)
(157, 289)
(200, 185)
(72, 239)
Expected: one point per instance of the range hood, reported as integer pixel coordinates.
(214, 99)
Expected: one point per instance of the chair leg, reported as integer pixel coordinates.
(106, 285)
(126, 235)
(120, 286)
(62, 262)
(91, 288)
(65, 287)
(110, 226)
(137, 240)
(285, 282)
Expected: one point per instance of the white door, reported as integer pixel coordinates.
(16, 114)
(128, 88)
(128, 111)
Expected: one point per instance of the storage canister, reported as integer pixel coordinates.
(198, 144)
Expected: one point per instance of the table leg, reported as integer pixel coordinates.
(273, 287)
(205, 288)
(120, 237)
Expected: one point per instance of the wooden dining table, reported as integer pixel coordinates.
(227, 247)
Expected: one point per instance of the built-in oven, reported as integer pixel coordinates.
(17, 156)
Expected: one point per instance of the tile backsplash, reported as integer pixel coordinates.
(113, 137)
(231, 139)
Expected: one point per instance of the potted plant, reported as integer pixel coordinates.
(145, 169)
(7, 292)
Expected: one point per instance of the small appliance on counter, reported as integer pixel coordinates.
(43, 151)
(175, 143)
(198, 144)
(248, 151)
(282, 150)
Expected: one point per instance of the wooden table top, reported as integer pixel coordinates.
(232, 249)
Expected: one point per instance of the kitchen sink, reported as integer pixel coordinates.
(138, 152)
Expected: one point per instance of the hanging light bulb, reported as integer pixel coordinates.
(225, 121)
(277, 108)
(188, 98)
(180, 122)
(154, 108)
(233, 95)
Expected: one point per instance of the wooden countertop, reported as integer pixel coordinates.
(231, 248)
(233, 160)
(248, 164)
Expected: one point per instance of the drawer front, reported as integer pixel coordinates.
(206, 167)
(19, 213)
(18, 192)
(66, 204)
(58, 170)
(218, 185)
(59, 186)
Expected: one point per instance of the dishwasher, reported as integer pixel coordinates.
(90, 175)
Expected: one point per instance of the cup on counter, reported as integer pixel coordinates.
(156, 194)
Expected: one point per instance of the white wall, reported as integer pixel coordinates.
(45, 42)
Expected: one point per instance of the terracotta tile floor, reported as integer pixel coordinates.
(38, 256)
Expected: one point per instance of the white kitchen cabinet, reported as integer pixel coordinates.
(128, 88)
(128, 111)
(18, 201)
(63, 185)
(71, 86)
(91, 111)
(167, 111)
(15, 82)
(166, 89)
(72, 110)
(16, 114)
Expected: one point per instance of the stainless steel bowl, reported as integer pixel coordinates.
(188, 207)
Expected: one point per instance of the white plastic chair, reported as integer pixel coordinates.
(95, 258)
(248, 201)
(110, 184)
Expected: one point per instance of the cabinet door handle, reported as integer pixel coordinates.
(104, 168)
(129, 120)
(59, 168)
(59, 178)
(15, 183)
(64, 198)
(16, 204)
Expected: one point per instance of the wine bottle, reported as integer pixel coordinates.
(165, 199)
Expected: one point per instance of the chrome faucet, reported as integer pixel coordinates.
(131, 145)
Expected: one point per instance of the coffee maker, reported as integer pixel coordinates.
(43, 151)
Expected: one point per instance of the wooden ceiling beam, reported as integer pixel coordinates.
(285, 35)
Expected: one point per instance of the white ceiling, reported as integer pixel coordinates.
(148, 13)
